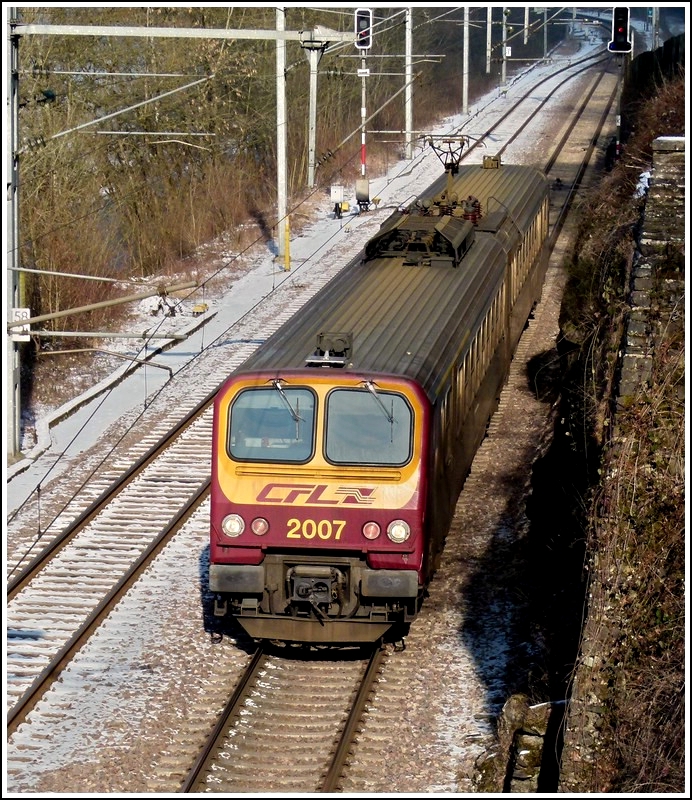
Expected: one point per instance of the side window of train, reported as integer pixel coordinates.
(526, 260)
(525, 256)
(516, 282)
(481, 355)
(530, 243)
(474, 361)
(446, 425)
(460, 389)
(534, 239)
(467, 381)
(438, 455)
(496, 320)
(486, 343)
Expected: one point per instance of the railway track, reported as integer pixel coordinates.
(289, 724)
(57, 600)
(113, 538)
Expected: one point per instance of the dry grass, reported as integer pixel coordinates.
(636, 513)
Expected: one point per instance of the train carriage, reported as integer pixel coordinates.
(341, 445)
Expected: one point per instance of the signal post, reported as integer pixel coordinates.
(620, 42)
(363, 24)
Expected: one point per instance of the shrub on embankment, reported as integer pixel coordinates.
(625, 729)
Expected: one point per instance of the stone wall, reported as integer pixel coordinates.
(657, 278)
(657, 305)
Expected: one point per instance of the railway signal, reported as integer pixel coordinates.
(620, 37)
(363, 28)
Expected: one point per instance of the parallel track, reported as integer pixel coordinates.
(56, 601)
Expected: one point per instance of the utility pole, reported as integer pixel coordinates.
(15, 332)
(315, 44)
(465, 78)
(488, 39)
(363, 42)
(655, 32)
(503, 78)
(14, 300)
(281, 169)
(363, 115)
(408, 77)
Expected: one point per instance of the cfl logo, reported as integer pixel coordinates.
(317, 494)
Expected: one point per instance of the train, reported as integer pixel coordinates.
(340, 447)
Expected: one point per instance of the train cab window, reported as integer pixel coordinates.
(368, 427)
(272, 424)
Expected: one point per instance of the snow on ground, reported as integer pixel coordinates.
(76, 426)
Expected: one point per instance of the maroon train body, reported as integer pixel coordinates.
(340, 447)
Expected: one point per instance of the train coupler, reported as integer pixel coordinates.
(317, 611)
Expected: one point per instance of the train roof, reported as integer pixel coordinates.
(517, 186)
(415, 320)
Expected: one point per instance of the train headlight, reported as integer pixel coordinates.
(398, 531)
(233, 525)
(259, 526)
(371, 530)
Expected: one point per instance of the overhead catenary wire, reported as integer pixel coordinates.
(234, 258)
(385, 23)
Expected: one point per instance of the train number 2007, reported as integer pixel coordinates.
(309, 529)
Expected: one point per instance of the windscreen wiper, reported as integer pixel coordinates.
(276, 383)
(370, 386)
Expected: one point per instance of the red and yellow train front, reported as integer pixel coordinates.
(317, 504)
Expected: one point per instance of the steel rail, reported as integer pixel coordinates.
(343, 748)
(17, 714)
(30, 698)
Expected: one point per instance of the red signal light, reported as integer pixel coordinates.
(363, 30)
(620, 42)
